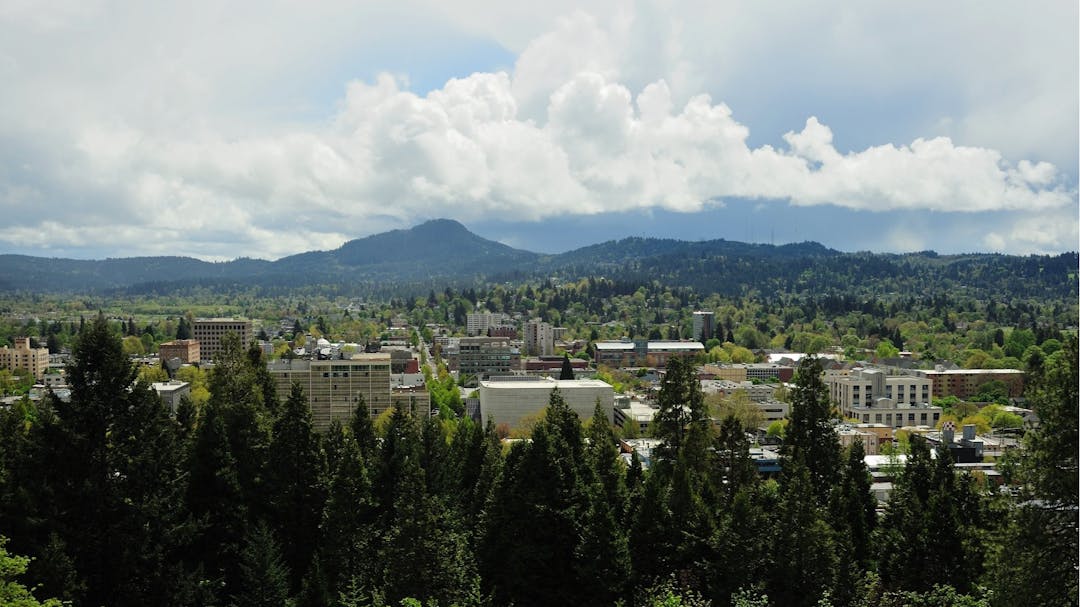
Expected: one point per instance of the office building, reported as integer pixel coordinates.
(209, 331)
(334, 387)
(872, 396)
(477, 358)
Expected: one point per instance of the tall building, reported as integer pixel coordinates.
(478, 323)
(334, 387)
(22, 356)
(539, 338)
(209, 331)
(704, 326)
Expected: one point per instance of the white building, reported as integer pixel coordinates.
(509, 400)
(171, 392)
(871, 396)
(478, 323)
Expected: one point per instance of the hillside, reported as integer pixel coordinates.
(445, 252)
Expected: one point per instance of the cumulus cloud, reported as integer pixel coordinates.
(573, 128)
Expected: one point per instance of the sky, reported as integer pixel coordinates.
(262, 129)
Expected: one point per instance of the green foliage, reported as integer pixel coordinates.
(12, 593)
(811, 434)
(264, 577)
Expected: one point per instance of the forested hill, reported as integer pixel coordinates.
(445, 252)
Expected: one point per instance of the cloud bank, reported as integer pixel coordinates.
(166, 157)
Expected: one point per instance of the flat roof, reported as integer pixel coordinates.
(972, 371)
(546, 384)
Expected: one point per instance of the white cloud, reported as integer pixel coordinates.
(597, 115)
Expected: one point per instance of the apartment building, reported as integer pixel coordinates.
(704, 325)
(22, 356)
(965, 383)
(539, 338)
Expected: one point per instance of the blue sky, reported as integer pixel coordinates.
(265, 129)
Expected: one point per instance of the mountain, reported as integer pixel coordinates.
(443, 252)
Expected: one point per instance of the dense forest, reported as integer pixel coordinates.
(238, 501)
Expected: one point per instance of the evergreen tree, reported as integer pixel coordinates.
(348, 533)
(805, 559)
(732, 459)
(363, 432)
(264, 578)
(603, 550)
(567, 370)
(215, 498)
(235, 393)
(811, 435)
(533, 526)
(115, 476)
(680, 405)
(296, 484)
(1036, 560)
(183, 329)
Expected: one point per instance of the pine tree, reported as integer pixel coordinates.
(263, 578)
(348, 543)
(1036, 560)
(805, 559)
(296, 484)
(603, 551)
(533, 526)
(680, 405)
(216, 499)
(811, 435)
(115, 475)
(567, 370)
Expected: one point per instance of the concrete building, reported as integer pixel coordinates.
(643, 353)
(479, 323)
(209, 331)
(335, 387)
(509, 400)
(965, 383)
(22, 356)
(171, 392)
(872, 396)
(849, 435)
(630, 411)
(187, 350)
(704, 326)
(539, 338)
(477, 358)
